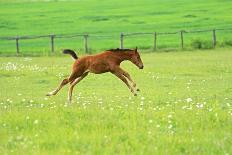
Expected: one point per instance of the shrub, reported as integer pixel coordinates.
(227, 43)
(201, 44)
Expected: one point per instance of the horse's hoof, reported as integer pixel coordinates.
(137, 89)
(48, 94)
(69, 101)
(135, 95)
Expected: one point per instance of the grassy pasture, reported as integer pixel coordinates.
(184, 107)
(185, 103)
(110, 18)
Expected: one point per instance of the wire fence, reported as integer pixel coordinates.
(122, 37)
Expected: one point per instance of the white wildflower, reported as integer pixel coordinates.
(36, 121)
(170, 126)
(199, 105)
(189, 100)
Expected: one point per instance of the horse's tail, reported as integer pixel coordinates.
(70, 52)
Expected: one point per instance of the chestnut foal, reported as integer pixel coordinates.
(108, 61)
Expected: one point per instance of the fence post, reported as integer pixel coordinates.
(52, 42)
(86, 43)
(121, 40)
(214, 38)
(155, 37)
(17, 45)
(182, 38)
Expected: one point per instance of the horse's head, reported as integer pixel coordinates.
(135, 59)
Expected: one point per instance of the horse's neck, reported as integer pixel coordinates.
(123, 56)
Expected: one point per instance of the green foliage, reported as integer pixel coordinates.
(225, 43)
(201, 44)
(109, 18)
(184, 107)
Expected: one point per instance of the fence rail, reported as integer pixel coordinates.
(122, 36)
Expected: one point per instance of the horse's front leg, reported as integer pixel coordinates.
(127, 75)
(122, 77)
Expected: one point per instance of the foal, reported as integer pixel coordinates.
(108, 61)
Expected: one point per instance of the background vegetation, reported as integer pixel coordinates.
(22, 18)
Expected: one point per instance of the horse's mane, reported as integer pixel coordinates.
(120, 50)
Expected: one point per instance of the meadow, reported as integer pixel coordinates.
(185, 103)
(184, 107)
(110, 18)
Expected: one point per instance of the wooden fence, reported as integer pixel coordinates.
(122, 37)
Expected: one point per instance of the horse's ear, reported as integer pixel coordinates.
(136, 48)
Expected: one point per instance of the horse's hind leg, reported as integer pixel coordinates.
(73, 83)
(63, 83)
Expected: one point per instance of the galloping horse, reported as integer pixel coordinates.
(108, 61)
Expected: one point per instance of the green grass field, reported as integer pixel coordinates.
(185, 103)
(111, 18)
(184, 107)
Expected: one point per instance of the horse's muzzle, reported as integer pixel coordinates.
(141, 67)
